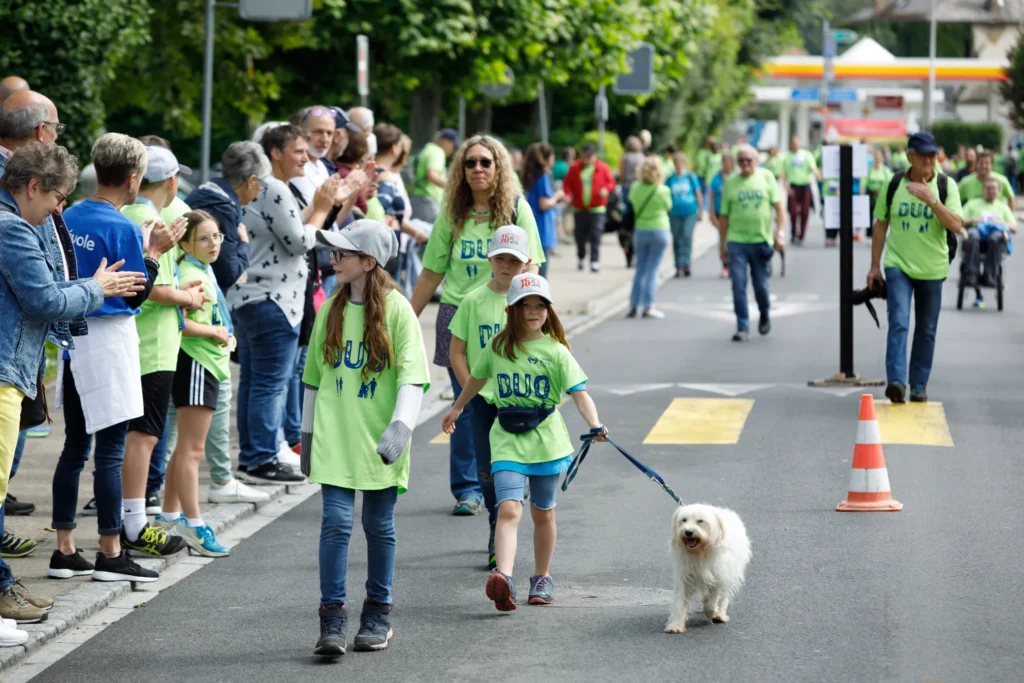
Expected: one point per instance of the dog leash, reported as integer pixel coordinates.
(588, 439)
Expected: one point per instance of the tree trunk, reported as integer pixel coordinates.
(424, 115)
(479, 118)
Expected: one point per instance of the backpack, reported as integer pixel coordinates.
(943, 185)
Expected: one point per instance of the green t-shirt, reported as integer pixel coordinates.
(205, 351)
(878, 178)
(464, 260)
(972, 188)
(587, 176)
(430, 157)
(351, 415)
(916, 241)
(158, 325)
(748, 202)
(537, 377)
(997, 210)
(176, 209)
(700, 161)
(655, 200)
(480, 317)
(900, 161)
(713, 166)
(375, 210)
(775, 164)
(799, 167)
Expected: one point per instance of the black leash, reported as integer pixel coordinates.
(588, 439)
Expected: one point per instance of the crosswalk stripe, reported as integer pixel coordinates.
(918, 424)
(701, 421)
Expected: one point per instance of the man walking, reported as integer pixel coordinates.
(916, 263)
(798, 169)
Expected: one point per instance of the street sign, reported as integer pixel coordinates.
(363, 65)
(844, 36)
(498, 90)
(275, 10)
(805, 94)
(639, 80)
(836, 96)
(889, 102)
(830, 161)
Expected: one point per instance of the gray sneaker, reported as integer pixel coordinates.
(374, 627)
(542, 590)
(467, 507)
(332, 631)
(918, 395)
(741, 336)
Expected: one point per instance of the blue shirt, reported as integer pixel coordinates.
(684, 193)
(717, 184)
(100, 231)
(543, 187)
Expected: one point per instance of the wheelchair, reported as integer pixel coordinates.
(977, 288)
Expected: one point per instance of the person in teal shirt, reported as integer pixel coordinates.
(687, 206)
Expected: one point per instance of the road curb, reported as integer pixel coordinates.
(85, 600)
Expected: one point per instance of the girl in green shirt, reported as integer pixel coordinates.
(531, 367)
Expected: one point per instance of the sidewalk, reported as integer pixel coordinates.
(581, 298)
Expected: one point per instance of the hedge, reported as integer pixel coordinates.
(951, 134)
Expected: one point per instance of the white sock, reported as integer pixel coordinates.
(194, 523)
(170, 516)
(134, 517)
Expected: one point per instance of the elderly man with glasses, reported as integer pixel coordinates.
(748, 236)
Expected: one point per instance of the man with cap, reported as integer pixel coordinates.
(429, 171)
(159, 326)
(589, 182)
(916, 264)
(342, 128)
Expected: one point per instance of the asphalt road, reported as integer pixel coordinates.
(930, 593)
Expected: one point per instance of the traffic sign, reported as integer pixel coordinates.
(639, 80)
(805, 94)
(844, 36)
(840, 96)
(363, 65)
(502, 88)
(275, 10)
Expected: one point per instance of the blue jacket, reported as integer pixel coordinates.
(31, 299)
(220, 200)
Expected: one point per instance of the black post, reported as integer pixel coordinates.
(846, 260)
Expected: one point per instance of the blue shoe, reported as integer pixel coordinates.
(542, 590)
(201, 540)
(467, 506)
(39, 431)
(979, 303)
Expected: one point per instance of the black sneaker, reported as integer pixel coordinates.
(154, 540)
(65, 566)
(273, 472)
(896, 392)
(632, 312)
(765, 325)
(374, 628)
(153, 506)
(90, 509)
(918, 395)
(332, 631)
(121, 568)
(14, 508)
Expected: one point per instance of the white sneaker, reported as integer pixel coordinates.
(654, 313)
(9, 637)
(286, 455)
(8, 623)
(236, 492)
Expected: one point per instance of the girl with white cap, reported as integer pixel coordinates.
(365, 375)
(530, 366)
(479, 318)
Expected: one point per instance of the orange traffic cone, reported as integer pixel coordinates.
(869, 479)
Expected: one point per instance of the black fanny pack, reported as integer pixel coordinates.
(522, 420)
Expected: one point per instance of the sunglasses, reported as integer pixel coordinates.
(484, 163)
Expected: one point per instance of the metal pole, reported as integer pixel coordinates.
(846, 261)
(462, 117)
(204, 152)
(602, 109)
(930, 114)
(543, 105)
(827, 51)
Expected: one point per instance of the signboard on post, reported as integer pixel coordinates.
(844, 36)
(888, 101)
(639, 80)
(501, 89)
(275, 10)
(363, 67)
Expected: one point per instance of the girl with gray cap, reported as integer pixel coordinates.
(365, 375)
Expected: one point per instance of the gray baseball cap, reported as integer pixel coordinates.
(528, 284)
(161, 164)
(369, 237)
(510, 239)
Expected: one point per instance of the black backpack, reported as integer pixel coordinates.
(943, 184)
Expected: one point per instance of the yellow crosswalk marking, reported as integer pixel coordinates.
(920, 424)
(701, 421)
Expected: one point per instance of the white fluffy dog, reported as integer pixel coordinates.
(712, 551)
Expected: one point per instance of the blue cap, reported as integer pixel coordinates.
(922, 143)
(448, 134)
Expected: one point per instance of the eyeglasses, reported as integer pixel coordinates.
(57, 127)
(63, 197)
(745, 160)
(484, 163)
(210, 240)
(340, 254)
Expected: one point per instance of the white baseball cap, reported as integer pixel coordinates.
(510, 239)
(161, 164)
(528, 284)
(369, 237)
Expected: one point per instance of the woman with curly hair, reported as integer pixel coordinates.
(481, 196)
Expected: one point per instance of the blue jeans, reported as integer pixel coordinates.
(649, 246)
(484, 415)
(758, 257)
(682, 238)
(292, 418)
(109, 457)
(927, 296)
(267, 345)
(335, 532)
(462, 460)
(544, 266)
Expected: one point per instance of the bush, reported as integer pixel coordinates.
(951, 134)
(613, 149)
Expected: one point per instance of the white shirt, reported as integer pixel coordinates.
(316, 175)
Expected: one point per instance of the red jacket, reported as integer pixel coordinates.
(573, 185)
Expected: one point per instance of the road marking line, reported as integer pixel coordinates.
(918, 424)
(701, 421)
(731, 390)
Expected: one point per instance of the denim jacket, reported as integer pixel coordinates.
(30, 298)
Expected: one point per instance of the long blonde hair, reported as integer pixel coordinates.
(459, 196)
(375, 337)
